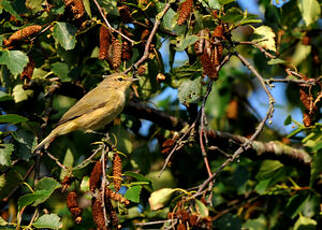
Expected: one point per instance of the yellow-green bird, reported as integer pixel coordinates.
(95, 109)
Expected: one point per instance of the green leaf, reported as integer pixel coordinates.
(110, 7)
(34, 5)
(288, 120)
(68, 162)
(12, 119)
(190, 91)
(276, 61)
(61, 70)
(300, 54)
(19, 94)
(3, 222)
(202, 209)
(160, 198)
(8, 6)
(5, 97)
(133, 194)
(310, 9)
(265, 32)
(64, 34)
(224, 2)
(26, 140)
(268, 168)
(87, 6)
(51, 221)
(137, 176)
(228, 222)
(186, 42)
(5, 154)
(295, 204)
(15, 60)
(305, 223)
(84, 186)
(215, 4)
(45, 187)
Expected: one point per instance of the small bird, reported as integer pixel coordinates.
(95, 109)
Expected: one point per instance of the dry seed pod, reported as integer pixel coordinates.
(95, 176)
(184, 11)
(126, 51)
(98, 214)
(76, 7)
(116, 196)
(104, 43)
(22, 34)
(28, 70)
(73, 207)
(117, 171)
(125, 14)
(117, 53)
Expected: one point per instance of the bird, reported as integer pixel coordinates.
(94, 110)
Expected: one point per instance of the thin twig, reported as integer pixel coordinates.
(109, 25)
(149, 41)
(57, 161)
(155, 222)
(301, 82)
(259, 128)
(103, 184)
(88, 160)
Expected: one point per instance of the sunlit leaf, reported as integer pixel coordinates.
(160, 198)
(20, 94)
(15, 60)
(310, 9)
(64, 34)
(51, 221)
(5, 154)
(12, 118)
(133, 194)
(265, 33)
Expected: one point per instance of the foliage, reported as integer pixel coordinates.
(51, 54)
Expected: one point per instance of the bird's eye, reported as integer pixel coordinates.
(120, 79)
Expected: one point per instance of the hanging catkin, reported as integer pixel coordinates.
(117, 53)
(22, 34)
(184, 11)
(117, 171)
(104, 43)
(76, 7)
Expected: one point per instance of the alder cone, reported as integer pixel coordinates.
(117, 171)
(73, 207)
(76, 7)
(126, 51)
(117, 53)
(95, 176)
(184, 11)
(104, 43)
(22, 34)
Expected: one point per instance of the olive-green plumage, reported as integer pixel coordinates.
(95, 109)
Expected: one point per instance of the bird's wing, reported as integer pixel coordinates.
(94, 99)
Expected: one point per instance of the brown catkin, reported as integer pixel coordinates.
(305, 98)
(145, 34)
(98, 214)
(28, 70)
(104, 43)
(126, 51)
(209, 68)
(95, 176)
(73, 207)
(117, 171)
(117, 53)
(76, 6)
(184, 11)
(116, 196)
(181, 226)
(219, 31)
(22, 34)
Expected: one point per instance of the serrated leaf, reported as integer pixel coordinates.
(268, 168)
(158, 199)
(49, 184)
(190, 91)
(265, 32)
(224, 2)
(61, 70)
(51, 221)
(300, 54)
(305, 223)
(87, 6)
(137, 176)
(68, 162)
(84, 186)
(5, 97)
(186, 42)
(7, 6)
(12, 119)
(288, 120)
(276, 61)
(30, 198)
(5, 154)
(133, 194)
(310, 9)
(201, 209)
(15, 60)
(19, 94)
(34, 5)
(64, 34)
(215, 4)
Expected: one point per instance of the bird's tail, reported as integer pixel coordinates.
(45, 142)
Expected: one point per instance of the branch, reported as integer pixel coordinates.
(109, 25)
(149, 41)
(156, 116)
